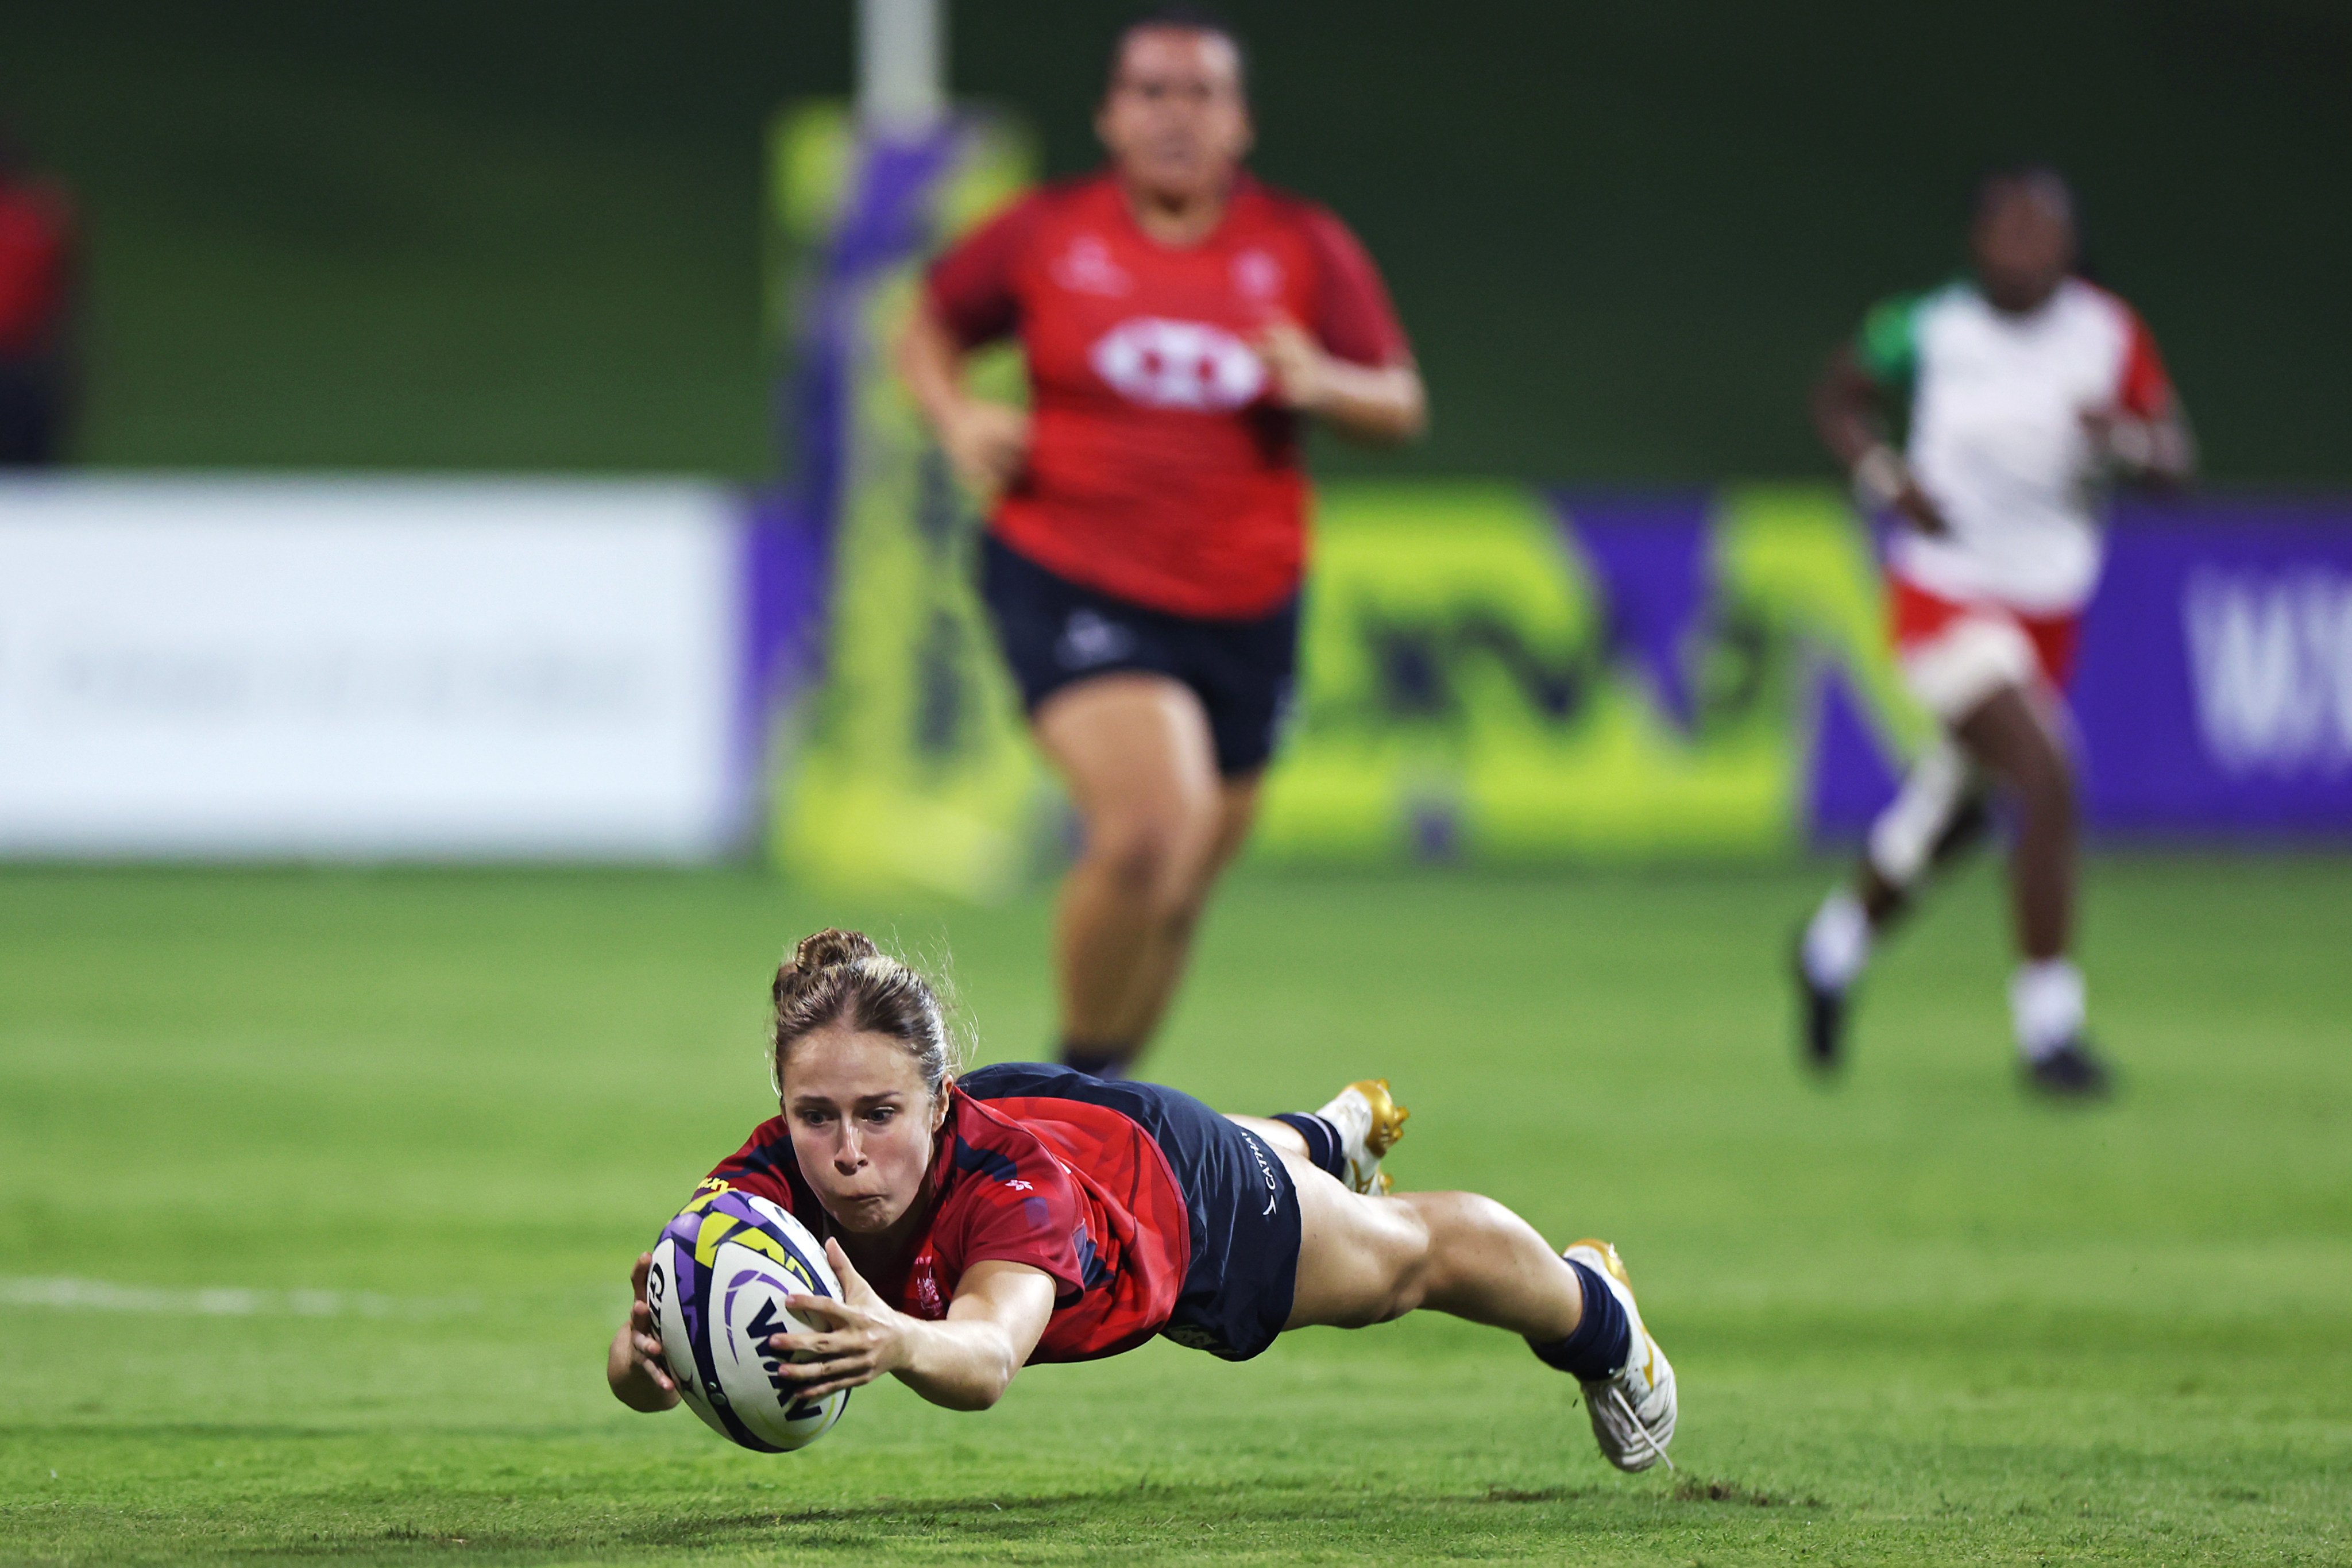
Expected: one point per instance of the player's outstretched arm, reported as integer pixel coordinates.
(966, 1362)
(634, 1365)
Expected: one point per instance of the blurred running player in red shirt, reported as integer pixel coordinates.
(1023, 1212)
(1148, 535)
(2024, 387)
(36, 265)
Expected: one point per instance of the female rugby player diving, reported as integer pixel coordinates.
(1182, 323)
(1023, 1212)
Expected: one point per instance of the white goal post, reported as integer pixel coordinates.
(902, 66)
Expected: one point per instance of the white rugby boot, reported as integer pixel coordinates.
(1634, 1412)
(1370, 1124)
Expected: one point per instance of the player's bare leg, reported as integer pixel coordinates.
(1135, 751)
(1366, 1259)
(1161, 966)
(1938, 816)
(2014, 736)
(2009, 737)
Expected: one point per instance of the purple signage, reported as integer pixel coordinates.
(2213, 693)
(2215, 690)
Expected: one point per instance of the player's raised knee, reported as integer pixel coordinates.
(1151, 852)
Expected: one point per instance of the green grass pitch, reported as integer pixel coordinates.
(411, 1127)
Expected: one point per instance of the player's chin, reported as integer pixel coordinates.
(864, 1212)
(1177, 169)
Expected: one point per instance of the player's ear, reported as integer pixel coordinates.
(940, 1105)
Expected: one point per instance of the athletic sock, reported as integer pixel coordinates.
(1837, 942)
(1603, 1341)
(1323, 1144)
(1096, 1060)
(2045, 1002)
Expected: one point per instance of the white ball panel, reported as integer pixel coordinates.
(751, 1291)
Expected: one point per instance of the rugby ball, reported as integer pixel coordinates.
(717, 1286)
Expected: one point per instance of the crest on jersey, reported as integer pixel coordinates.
(1087, 267)
(1257, 275)
(1177, 365)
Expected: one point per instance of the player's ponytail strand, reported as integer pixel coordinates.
(842, 977)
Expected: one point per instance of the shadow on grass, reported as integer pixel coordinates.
(1142, 1522)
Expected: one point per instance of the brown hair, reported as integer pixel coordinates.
(840, 977)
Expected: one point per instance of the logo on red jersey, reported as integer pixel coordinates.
(1258, 274)
(1086, 267)
(923, 1285)
(1166, 364)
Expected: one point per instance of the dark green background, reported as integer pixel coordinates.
(523, 235)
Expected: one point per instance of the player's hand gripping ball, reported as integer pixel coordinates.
(718, 1283)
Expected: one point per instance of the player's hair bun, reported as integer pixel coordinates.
(814, 954)
(840, 977)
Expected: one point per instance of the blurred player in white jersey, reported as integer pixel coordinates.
(2026, 388)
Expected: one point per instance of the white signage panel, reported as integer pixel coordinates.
(349, 668)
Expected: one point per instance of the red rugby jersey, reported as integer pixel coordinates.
(1075, 1190)
(36, 250)
(1159, 469)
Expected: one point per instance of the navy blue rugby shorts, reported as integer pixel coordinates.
(1244, 1212)
(1056, 633)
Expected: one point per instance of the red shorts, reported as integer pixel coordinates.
(1955, 653)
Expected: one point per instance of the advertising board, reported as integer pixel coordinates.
(1496, 675)
(360, 668)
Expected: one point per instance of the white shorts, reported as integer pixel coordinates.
(1954, 654)
(1953, 672)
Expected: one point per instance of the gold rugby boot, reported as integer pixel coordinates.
(1369, 1122)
